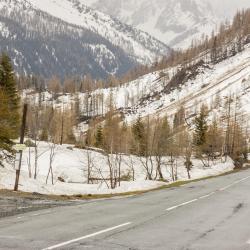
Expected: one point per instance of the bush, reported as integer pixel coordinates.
(127, 176)
(30, 143)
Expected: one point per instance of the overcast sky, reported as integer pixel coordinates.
(229, 6)
(223, 7)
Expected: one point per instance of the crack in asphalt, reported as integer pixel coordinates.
(236, 209)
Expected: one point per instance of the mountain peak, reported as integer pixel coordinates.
(72, 39)
(174, 22)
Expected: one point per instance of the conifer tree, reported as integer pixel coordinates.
(139, 133)
(214, 51)
(201, 128)
(99, 137)
(9, 86)
(9, 108)
(5, 130)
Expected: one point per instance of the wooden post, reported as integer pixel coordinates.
(22, 133)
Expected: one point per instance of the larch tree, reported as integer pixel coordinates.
(163, 143)
(214, 139)
(54, 86)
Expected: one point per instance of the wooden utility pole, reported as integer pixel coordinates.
(22, 133)
(227, 142)
(62, 128)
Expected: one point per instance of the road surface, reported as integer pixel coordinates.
(209, 214)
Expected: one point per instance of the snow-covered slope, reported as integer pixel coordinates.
(65, 37)
(229, 77)
(152, 95)
(174, 22)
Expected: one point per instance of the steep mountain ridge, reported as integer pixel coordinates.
(74, 40)
(137, 43)
(174, 22)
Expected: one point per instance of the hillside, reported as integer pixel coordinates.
(152, 95)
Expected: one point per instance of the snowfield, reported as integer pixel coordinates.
(70, 165)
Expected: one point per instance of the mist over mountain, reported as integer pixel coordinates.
(174, 22)
(227, 9)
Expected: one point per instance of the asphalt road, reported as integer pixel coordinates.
(210, 214)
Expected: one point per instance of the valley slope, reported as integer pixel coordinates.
(67, 38)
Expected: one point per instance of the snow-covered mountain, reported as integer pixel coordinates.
(174, 22)
(64, 37)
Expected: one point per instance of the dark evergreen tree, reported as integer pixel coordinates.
(239, 44)
(99, 137)
(214, 52)
(9, 112)
(9, 86)
(233, 50)
(139, 133)
(201, 128)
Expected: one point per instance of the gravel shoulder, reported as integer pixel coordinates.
(13, 203)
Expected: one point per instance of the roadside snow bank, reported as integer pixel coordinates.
(70, 165)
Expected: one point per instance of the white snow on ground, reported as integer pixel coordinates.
(228, 77)
(71, 165)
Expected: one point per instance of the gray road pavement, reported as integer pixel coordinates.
(210, 214)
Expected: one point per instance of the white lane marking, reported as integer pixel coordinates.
(172, 208)
(181, 205)
(207, 195)
(204, 196)
(38, 214)
(188, 202)
(243, 179)
(226, 187)
(248, 242)
(234, 183)
(87, 236)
